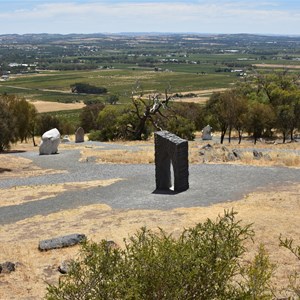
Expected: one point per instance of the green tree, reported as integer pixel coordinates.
(87, 88)
(217, 108)
(260, 119)
(182, 127)
(8, 121)
(32, 126)
(283, 94)
(112, 99)
(89, 116)
(46, 122)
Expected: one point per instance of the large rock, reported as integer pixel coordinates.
(79, 135)
(61, 242)
(50, 142)
(206, 133)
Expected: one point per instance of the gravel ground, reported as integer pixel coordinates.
(209, 184)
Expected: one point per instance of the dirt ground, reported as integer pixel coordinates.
(272, 213)
(46, 106)
(276, 66)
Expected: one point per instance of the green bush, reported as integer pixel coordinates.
(182, 127)
(202, 263)
(86, 88)
(294, 278)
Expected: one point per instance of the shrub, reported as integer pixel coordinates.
(182, 127)
(201, 264)
(46, 122)
(294, 278)
(87, 88)
(89, 116)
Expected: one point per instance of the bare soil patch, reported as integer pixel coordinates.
(45, 106)
(276, 66)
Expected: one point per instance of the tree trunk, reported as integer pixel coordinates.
(141, 128)
(240, 136)
(283, 140)
(222, 136)
(292, 134)
(33, 140)
(223, 132)
(229, 135)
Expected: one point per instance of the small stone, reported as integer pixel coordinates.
(257, 155)
(66, 139)
(202, 152)
(231, 157)
(225, 149)
(8, 267)
(64, 267)
(237, 153)
(207, 147)
(267, 157)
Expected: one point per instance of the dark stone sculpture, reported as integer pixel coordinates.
(171, 149)
(61, 242)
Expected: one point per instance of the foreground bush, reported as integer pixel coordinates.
(203, 263)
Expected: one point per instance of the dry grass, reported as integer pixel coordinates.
(46, 106)
(272, 213)
(11, 166)
(276, 66)
(143, 156)
(21, 194)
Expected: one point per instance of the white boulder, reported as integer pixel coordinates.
(206, 133)
(50, 142)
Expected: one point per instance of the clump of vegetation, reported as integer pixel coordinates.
(261, 106)
(17, 120)
(204, 262)
(294, 278)
(87, 88)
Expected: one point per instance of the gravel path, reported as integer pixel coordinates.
(209, 184)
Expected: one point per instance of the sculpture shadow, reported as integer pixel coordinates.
(2, 170)
(165, 192)
(12, 151)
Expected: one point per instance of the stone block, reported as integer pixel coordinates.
(61, 242)
(79, 135)
(171, 150)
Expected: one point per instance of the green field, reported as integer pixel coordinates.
(55, 86)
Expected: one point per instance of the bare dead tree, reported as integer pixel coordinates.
(147, 108)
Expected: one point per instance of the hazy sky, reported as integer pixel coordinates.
(201, 16)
